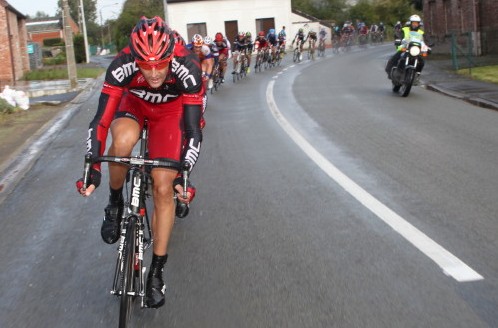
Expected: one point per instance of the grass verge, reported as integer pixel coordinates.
(60, 73)
(483, 73)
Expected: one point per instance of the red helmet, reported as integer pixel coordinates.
(152, 40)
(218, 37)
(261, 33)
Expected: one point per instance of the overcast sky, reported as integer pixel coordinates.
(30, 7)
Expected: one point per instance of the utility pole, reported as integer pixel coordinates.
(165, 3)
(85, 37)
(68, 33)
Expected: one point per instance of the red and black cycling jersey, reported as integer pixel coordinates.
(261, 42)
(183, 82)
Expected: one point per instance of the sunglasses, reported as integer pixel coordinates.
(149, 65)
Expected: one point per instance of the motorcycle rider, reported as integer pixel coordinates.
(407, 32)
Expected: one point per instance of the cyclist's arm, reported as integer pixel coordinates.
(193, 102)
(110, 97)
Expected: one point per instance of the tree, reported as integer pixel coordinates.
(90, 7)
(332, 10)
(41, 14)
(363, 11)
(132, 11)
(387, 11)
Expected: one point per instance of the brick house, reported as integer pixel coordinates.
(13, 44)
(40, 29)
(468, 21)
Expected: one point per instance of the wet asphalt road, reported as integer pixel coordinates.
(272, 240)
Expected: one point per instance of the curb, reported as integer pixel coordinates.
(23, 158)
(477, 101)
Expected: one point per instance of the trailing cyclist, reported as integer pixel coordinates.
(273, 42)
(311, 38)
(208, 41)
(206, 57)
(261, 46)
(250, 47)
(299, 40)
(282, 38)
(239, 50)
(223, 46)
(155, 78)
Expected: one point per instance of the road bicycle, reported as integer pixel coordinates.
(129, 274)
(311, 49)
(259, 57)
(278, 55)
(297, 53)
(321, 48)
(336, 43)
(216, 78)
(267, 58)
(241, 66)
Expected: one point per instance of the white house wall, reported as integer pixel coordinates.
(215, 13)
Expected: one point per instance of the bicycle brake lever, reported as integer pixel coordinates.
(86, 170)
(185, 171)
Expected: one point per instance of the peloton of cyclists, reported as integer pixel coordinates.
(347, 33)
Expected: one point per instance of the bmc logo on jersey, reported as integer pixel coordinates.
(124, 71)
(152, 97)
(183, 73)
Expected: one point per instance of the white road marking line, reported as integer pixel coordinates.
(450, 264)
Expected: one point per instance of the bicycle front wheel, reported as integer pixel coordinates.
(127, 288)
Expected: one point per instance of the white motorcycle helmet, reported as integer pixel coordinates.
(415, 18)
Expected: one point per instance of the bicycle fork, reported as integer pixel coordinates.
(133, 220)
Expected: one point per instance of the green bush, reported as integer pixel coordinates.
(57, 60)
(53, 42)
(5, 107)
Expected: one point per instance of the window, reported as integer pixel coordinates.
(198, 28)
(231, 30)
(264, 24)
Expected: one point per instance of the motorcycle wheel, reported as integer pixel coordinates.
(407, 85)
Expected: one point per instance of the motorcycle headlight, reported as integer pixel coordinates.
(414, 51)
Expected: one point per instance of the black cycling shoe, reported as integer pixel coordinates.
(154, 293)
(111, 223)
(181, 210)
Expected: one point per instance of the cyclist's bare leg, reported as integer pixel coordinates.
(248, 54)
(164, 208)
(223, 65)
(235, 55)
(125, 134)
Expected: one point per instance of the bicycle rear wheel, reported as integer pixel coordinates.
(128, 276)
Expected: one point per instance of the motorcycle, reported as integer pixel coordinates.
(404, 72)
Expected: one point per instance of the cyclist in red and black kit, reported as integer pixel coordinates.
(155, 78)
(260, 45)
(223, 46)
